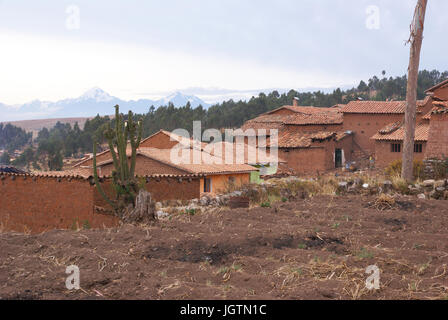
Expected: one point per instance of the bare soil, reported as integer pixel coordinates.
(312, 249)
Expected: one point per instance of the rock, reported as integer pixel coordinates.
(429, 183)
(387, 186)
(421, 196)
(343, 184)
(440, 189)
(439, 183)
(365, 186)
(158, 206)
(162, 214)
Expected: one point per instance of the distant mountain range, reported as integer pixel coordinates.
(94, 101)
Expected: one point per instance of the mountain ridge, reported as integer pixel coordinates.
(94, 101)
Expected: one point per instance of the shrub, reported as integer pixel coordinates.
(266, 205)
(394, 169)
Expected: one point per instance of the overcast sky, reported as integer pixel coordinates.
(54, 49)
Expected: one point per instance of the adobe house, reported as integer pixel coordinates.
(367, 118)
(309, 153)
(310, 139)
(431, 132)
(301, 119)
(155, 156)
(389, 143)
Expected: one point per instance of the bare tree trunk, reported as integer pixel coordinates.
(415, 40)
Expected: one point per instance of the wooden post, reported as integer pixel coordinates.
(415, 40)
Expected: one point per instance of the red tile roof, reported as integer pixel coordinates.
(207, 164)
(378, 107)
(290, 139)
(250, 155)
(421, 133)
(301, 116)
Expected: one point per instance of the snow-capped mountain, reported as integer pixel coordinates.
(96, 94)
(92, 102)
(179, 99)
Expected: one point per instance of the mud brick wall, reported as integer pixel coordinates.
(384, 157)
(161, 189)
(37, 204)
(438, 137)
(367, 125)
(306, 161)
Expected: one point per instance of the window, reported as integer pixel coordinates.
(207, 185)
(395, 147)
(418, 148)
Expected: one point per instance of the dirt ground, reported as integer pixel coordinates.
(313, 249)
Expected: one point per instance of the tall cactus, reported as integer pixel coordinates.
(123, 176)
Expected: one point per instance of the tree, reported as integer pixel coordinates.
(5, 158)
(416, 39)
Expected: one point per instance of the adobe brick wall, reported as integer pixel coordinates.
(384, 156)
(441, 93)
(306, 161)
(159, 141)
(438, 137)
(161, 189)
(39, 204)
(221, 182)
(367, 125)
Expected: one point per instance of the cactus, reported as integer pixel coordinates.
(123, 176)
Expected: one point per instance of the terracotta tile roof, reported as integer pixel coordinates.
(439, 107)
(378, 107)
(252, 155)
(185, 141)
(297, 109)
(328, 117)
(301, 116)
(437, 86)
(421, 134)
(290, 139)
(73, 175)
(208, 164)
(391, 127)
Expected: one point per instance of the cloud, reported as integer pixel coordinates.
(56, 68)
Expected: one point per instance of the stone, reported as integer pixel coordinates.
(365, 186)
(343, 184)
(439, 183)
(440, 189)
(421, 196)
(162, 214)
(429, 183)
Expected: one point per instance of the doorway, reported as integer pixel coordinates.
(338, 158)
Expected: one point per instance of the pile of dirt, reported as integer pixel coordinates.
(317, 248)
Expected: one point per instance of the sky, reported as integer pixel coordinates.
(215, 49)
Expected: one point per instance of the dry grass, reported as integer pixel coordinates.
(383, 202)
